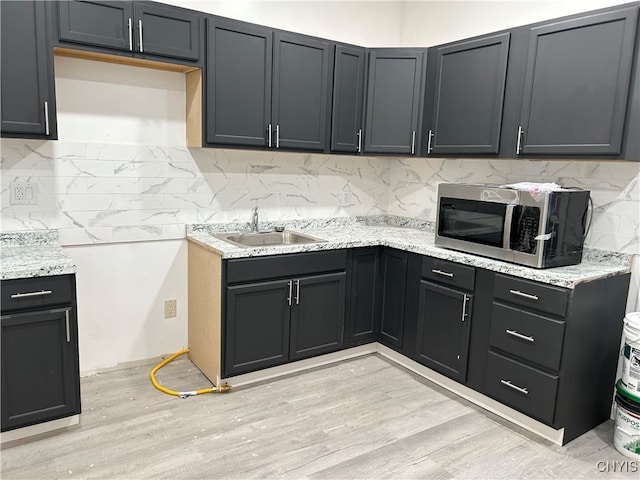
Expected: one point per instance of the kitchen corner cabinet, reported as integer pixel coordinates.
(27, 80)
(394, 264)
(348, 99)
(39, 375)
(265, 88)
(576, 85)
(363, 319)
(395, 98)
(282, 308)
(466, 95)
(445, 317)
(141, 28)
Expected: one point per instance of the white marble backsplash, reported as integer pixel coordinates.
(105, 193)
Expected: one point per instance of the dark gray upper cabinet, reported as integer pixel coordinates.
(27, 80)
(348, 99)
(238, 93)
(395, 95)
(103, 24)
(167, 31)
(141, 27)
(300, 91)
(576, 85)
(467, 96)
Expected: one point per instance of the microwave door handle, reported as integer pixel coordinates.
(506, 236)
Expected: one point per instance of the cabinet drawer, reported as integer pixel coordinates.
(527, 335)
(448, 273)
(280, 266)
(23, 293)
(537, 296)
(524, 388)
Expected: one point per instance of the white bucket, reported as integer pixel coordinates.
(631, 354)
(626, 436)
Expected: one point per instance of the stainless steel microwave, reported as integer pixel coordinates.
(539, 229)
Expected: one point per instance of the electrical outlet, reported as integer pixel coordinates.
(345, 197)
(23, 193)
(169, 308)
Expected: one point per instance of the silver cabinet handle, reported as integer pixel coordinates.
(528, 296)
(290, 292)
(464, 307)
(32, 294)
(440, 272)
(513, 333)
(277, 136)
(515, 387)
(46, 118)
(297, 292)
(413, 142)
(359, 135)
(269, 134)
(429, 141)
(519, 141)
(140, 34)
(66, 314)
(130, 35)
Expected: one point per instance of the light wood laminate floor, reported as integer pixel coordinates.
(362, 418)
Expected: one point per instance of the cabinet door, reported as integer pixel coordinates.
(103, 24)
(238, 83)
(257, 326)
(317, 315)
(468, 96)
(300, 91)
(576, 85)
(40, 379)
(27, 73)
(167, 31)
(348, 99)
(363, 321)
(394, 282)
(394, 101)
(444, 320)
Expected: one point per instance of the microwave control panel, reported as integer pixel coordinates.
(524, 229)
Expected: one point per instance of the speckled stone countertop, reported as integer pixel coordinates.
(408, 235)
(33, 254)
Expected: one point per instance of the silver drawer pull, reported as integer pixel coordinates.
(32, 294)
(513, 333)
(440, 272)
(515, 387)
(524, 295)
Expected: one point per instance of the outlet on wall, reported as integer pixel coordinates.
(169, 308)
(345, 197)
(23, 193)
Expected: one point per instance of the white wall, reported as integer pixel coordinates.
(120, 186)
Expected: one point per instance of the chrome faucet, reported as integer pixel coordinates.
(254, 220)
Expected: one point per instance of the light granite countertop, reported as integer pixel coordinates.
(370, 231)
(33, 254)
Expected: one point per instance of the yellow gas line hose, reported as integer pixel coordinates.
(221, 389)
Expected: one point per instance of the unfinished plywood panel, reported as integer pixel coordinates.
(194, 108)
(205, 310)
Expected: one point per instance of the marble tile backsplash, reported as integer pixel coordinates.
(94, 193)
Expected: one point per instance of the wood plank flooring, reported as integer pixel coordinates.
(362, 418)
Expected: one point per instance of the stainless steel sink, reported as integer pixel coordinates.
(267, 239)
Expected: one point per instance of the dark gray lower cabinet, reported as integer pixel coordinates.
(363, 321)
(257, 326)
(27, 81)
(444, 321)
(298, 315)
(317, 315)
(394, 282)
(39, 372)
